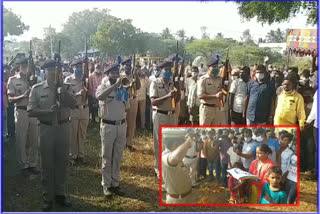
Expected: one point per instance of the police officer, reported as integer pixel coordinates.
(209, 92)
(175, 175)
(27, 129)
(133, 111)
(79, 115)
(114, 103)
(54, 118)
(161, 94)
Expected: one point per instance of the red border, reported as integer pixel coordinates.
(226, 204)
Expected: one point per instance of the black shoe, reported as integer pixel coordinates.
(117, 191)
(46, 206)
(131, 148)
(63, 201)
(108, 193)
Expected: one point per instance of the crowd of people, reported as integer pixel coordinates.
(269, 154)
(120, 96)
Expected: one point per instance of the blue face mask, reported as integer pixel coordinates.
(78, 71)
(215, 72)
(127, 70)
(166, 75)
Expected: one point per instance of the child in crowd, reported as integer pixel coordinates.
(235, 187)
(290, 178)
(271, 193)
(286, 152)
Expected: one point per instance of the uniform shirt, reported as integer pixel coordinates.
(290, 109)
(285, 159)
(42, 97)
(239, 89)
(313, 114)
(142, 91)
(274, 146)
(94, 81)
(16, 87)
(176, 178)
(191, 93)
(246, 149)
(272, 197)
(292, 168)
(159, 89)
(260, 95)
(111, 108)
(76, 85)
(208, 85)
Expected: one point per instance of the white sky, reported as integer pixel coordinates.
(151, 17)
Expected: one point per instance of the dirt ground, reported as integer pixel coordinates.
(138, 182)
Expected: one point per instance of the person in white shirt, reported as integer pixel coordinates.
(312, 118)
(290, 178)
(233, 156)
(238, 93)
(193, 101)
(202, 70)
(286, 152)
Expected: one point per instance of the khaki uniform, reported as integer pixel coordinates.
(79, 119)
(162, 114)
(190, 161)
(209, 115)
(132, 116)
(27, 128)
(113, 136)
(177, 181)
(54, 138)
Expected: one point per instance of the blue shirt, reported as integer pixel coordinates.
(272, 197)
(274, 146)
(259, 103)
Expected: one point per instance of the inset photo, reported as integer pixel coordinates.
(229, 166)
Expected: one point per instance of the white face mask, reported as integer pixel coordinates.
(234, 77)
(247, 139)
(98, 71)
(259, 139)
(259, 76)
(194, 74)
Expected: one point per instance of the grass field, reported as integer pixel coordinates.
(138, 181)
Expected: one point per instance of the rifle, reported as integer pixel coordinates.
(133, 68)
(225, 76)
(58, 75)
(31, 68)
(85, 68)
(175, 76)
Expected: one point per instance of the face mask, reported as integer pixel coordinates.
(127, 70)
(215, 72)
(98, 71)
(194, 74)
(78, 71)
(259, 76)
(234, 77)
(259, 139)
(166, 75)
(235, 145)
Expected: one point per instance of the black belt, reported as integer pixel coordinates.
(164, 112)
(82, 106)
(210, 105)
(114, 122)
(191, 157)
(22, 107)
(50, 123)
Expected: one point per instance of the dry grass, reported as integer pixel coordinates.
(138, 182)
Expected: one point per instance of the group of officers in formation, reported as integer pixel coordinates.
(58, 114)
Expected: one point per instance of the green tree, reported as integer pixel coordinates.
(181, 34)
(82, 25)
(277, 11)
(246, 37)
(276, 36)
(166, 34)
(204, 34)
(12, 24)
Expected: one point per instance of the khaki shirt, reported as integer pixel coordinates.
(16, 87)
(42, 97)
(159, 89)
(208, 85)
(82, 110)
(176, 178)
(111, 108)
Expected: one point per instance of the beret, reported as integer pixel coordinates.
(22, 60)
(165, 64)
(50, 63)
(76, 62)
(112, 67)
(126, 61)
(213, 61)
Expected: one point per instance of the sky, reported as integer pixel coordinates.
(151, 17)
